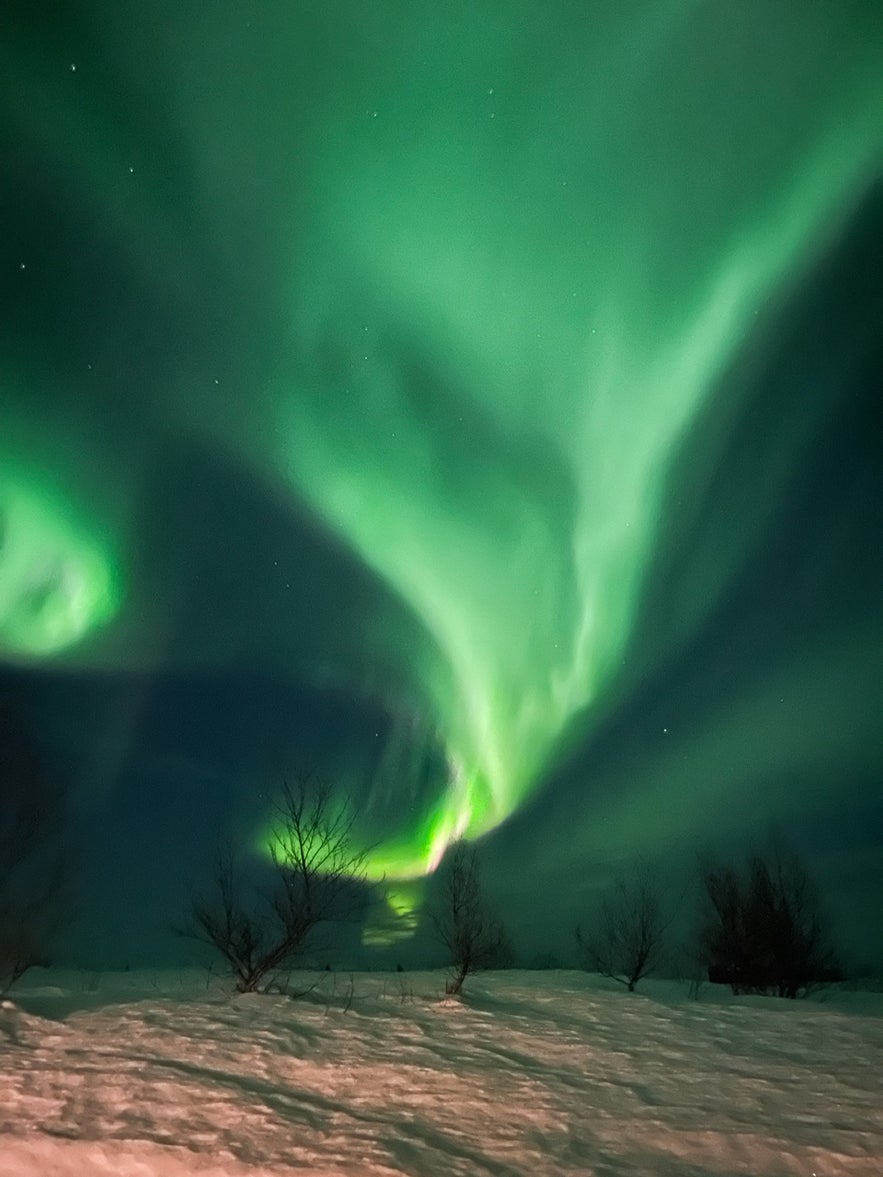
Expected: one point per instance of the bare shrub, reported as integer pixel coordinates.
(627, 937)
(762, 930)
(472, 934)
(316, 872)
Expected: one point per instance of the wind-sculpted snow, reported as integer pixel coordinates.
(540, 1074)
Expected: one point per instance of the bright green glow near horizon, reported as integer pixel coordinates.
(57, 581)
(406, 858)
(398, 917)
(511, 325)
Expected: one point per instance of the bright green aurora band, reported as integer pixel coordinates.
(526, 241)
(57, 578)
(571, 277)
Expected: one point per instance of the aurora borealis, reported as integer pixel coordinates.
(56, 584)
(466, 378)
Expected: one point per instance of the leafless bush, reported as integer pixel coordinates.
(762, 930)
(627, 938)
(463, 923)
(316, 875)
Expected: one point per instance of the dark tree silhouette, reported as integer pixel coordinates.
(34, 864)
(762, 930)
(627, 939)
(316, 876)
(463, 923)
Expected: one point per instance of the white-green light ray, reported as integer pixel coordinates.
(519, 364)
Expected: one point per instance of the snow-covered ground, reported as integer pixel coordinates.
(549, 1073)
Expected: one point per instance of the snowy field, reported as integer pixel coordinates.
(544, 1074)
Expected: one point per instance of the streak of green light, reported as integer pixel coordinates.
(58, 581)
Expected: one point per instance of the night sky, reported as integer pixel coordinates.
(477, 404)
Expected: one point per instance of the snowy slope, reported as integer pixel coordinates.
(161, 1075)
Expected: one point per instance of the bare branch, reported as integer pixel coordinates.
(628, 936)
(473, 936)
(317, 872)
(762, 930)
